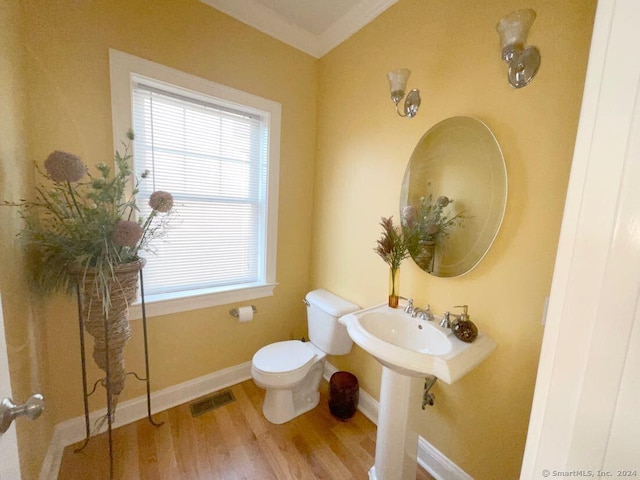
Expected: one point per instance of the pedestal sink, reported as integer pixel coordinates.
(407, 348)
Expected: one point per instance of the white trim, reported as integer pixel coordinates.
(73, 430)
(123, 67)
(155, 305)
(359, 16)
(9, 454)
(266, 20)
(437, 464)
(587, 373)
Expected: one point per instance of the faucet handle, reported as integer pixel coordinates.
(409, 307)
(445, 322)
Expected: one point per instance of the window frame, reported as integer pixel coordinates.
(123, 67)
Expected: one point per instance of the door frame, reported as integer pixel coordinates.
(9, 459)
(593, 320)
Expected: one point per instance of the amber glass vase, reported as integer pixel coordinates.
(394, 287)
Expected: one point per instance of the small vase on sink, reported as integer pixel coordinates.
(392, 248)
(394, 287)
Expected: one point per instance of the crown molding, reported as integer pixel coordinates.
(362, 14)
(270, 22)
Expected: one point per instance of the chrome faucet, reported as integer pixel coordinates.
(419, 313)
(409, 307)
(424, 314)
(446, 320)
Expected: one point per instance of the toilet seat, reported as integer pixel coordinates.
(287, 357)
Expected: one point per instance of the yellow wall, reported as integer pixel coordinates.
(341, 140)
(25, 347)
(70, 109)
(452, 48)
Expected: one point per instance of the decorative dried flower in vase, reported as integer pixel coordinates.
(81, 232)
(427, 226)
(79, 221)
(392, 248)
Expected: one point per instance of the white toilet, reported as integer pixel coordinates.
(290, 371)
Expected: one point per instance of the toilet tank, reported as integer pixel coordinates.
(325, 332)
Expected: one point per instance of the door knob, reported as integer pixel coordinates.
(8, 411)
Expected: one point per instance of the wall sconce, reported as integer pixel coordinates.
(397, 84)
(524, 61)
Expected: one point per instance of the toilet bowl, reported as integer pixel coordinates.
(290, 371)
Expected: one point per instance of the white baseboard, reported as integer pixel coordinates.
(73, 430)
(439, 466)
(429, 458)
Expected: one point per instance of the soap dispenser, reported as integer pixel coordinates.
(463, 327)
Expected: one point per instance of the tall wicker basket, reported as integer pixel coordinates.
(113, 320)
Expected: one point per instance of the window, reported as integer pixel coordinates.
(216, 150)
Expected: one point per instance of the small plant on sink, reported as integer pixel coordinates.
(392, 248)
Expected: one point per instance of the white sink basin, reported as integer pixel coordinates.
(415, 347)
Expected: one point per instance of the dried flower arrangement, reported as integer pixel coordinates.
(82, 232)
(430, 222)
(392, 248)
(78, 221)
(428, 226)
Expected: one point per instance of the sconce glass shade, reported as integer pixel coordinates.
(398, 83)
(514, 28)
(524, 61)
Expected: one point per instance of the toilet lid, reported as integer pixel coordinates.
(283, 357)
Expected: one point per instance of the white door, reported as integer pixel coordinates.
(585, 421)
(9, 463)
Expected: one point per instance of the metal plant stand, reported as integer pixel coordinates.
(107, 377)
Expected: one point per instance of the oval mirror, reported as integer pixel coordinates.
(453, 197)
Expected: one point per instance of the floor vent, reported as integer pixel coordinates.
(209, 403)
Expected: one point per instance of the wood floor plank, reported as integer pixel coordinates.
(232, 442)
(149, 457)
(231, 434)
(345, 438)
(125, 452)
(321, 442)
(166, 452)
(284, 458)
(184, 443)
(243, 420)
(250, 400)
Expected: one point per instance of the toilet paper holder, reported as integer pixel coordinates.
(235, 313)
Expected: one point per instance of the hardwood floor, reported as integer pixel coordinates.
(232, 442)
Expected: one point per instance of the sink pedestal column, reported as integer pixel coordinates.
(396, 441)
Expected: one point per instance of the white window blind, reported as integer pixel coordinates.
(213, 159)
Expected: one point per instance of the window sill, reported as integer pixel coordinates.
(166, 304)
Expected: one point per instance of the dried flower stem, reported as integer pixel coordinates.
(391, 247)
(75, 202)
